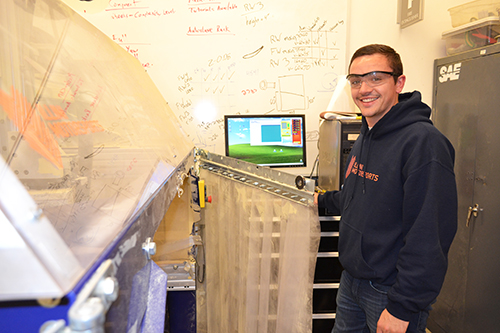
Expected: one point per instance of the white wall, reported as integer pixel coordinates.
(375, 21)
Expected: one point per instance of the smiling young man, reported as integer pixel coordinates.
(398, 204)
(373, 99)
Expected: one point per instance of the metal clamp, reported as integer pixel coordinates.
(92, 303)
(149, 248)
(88, 313)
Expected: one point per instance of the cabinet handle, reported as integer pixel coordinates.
(473, 211)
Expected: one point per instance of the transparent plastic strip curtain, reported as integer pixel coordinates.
(260, 260)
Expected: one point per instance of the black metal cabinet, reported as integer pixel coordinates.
(466, 109)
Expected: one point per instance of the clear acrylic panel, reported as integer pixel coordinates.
(82, 127)
(260, 252)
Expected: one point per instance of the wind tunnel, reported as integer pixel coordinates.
(102, 195)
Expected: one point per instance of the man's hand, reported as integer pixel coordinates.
(387, 323)
(316, 194)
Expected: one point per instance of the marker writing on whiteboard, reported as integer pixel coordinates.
(253, 54)
(97, 151)
(210, 7)
(209, 31)
(142, 14)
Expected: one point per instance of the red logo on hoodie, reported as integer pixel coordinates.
(356, 169)
(349, 168)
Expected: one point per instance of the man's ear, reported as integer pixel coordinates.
(400, 83)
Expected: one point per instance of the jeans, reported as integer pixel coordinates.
(360, 303)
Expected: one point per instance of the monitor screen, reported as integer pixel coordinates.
(268, 140)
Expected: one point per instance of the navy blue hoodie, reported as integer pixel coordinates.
(398, 206)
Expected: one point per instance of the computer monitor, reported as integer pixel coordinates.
(268, 140)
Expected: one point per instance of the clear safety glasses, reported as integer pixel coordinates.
(372, 79)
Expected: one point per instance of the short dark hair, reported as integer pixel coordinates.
(391, 55)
